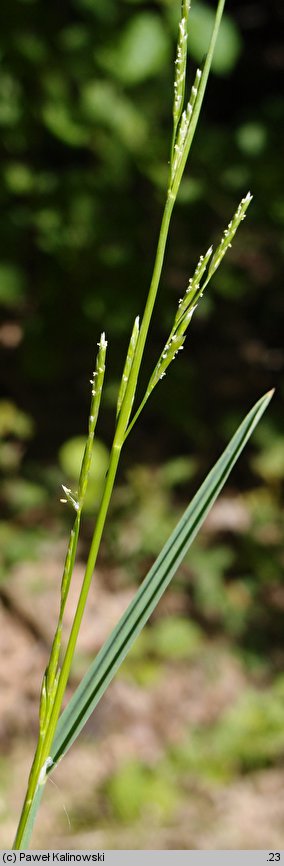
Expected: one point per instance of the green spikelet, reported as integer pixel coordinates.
(70, 559)
(43, 707)
(180, 63)
(53, 662)
(174, 345)
(97, 385)
(128, 364)
(187, 304)
(183, 129)
(229, 234)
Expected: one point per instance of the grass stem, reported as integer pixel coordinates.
(58, 679)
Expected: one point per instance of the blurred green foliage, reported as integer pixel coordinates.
(20, 497)
(70, 460)
(171, 638)
(248, 736)
(150, 791)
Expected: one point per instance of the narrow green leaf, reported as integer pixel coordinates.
(110, 657)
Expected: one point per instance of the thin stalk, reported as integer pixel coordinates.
(146, 321)
(92, 558)
(136, 416)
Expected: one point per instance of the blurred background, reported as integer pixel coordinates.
(186, 749)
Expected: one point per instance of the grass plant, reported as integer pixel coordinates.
(58, 732)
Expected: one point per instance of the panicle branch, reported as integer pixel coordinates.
(187, 305)
(51, 676)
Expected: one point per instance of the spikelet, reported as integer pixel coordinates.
(229, 234)
(52, 669)
(97, 381)
(76, 500)
(187, 304)
(184, 314)
(43, 707)
(97, 385)
(180, 63)
(128, 364)
(49, 684)
(174, 345)
(69, 560)
(70, 497)
(184, 127)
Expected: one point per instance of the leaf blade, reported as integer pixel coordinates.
(113, 652)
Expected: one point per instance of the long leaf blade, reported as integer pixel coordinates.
(114, 650)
